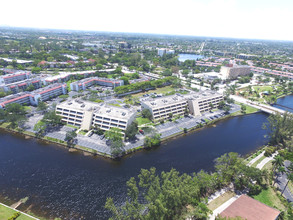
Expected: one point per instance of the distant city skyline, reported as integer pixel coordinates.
(261, 19)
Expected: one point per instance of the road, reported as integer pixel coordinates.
(266, 108)
(281, 181)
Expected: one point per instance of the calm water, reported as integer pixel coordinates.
(72, 186)
(183, 57)
(285, 101)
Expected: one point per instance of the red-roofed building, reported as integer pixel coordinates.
(250, 209)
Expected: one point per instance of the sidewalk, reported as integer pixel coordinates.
(265, 161)
(255, 159)
(223, 207)
(19, 211)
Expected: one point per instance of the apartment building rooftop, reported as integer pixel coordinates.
(98, 108)
(166, 100)
(173, 99)
(87, 80)
(47, 88)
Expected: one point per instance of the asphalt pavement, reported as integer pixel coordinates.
(282, 181)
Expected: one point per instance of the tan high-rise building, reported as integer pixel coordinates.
(232, 71)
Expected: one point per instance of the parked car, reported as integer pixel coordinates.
(141, 131)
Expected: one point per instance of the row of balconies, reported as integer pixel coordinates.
(108, 119)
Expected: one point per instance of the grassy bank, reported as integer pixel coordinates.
(6, 213)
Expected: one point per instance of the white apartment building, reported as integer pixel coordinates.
(161, 108)
(87, 114)
(203, 102)
(195, 104)
(32, 98)
(162, 51)
(232, 71)
(85, 83)
(14, 77)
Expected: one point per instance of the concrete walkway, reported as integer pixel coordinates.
(223, 207)
(219, 193)
(265, 161)
(255, 159)
(19, 211)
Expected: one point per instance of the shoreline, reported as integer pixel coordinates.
(92, 152)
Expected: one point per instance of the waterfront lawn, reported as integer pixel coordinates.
(250, 110)
(142, 121)
(258, 161)
(220, 200)
(268, 166)
(269, 197)
(6, 213)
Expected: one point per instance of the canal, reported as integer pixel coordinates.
(72, 186)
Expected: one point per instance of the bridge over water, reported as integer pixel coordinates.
(265, 108)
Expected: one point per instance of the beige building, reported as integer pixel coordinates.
(232, 71)
(86, 114)
(195, 104)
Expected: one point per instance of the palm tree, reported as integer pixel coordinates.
(278, 161)
(281, 170)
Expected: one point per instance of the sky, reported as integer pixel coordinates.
(256, 19)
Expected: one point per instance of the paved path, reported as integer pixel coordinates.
(282, 181)
(266, 108)
(265, 161)
(223, 207)
(255, 159)
(219, 193)
(19, 211)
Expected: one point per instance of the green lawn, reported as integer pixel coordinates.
(270, 198)
(250, 109)
(258, 161)
(117, 105)
(142, 121)
(6, 213)
(263, 88)
(27, 108)
(82, 132)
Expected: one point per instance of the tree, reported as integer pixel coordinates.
(69, 137)
(115, 136)
(42, 106)
(280, 128)
(15, 114)
(51, 119)
(146, 113)
(243, 109)
(131, 130)
(30, 88)
(277, 162)
(152, 141)
(221, 104)
(40, 128)
(125, 79)
(226, 108)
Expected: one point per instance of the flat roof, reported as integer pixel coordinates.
(172, 99)
(250, 209)
(98, 108)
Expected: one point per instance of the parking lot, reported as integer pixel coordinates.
(97, 143)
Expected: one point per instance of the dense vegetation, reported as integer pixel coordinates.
(165, 195)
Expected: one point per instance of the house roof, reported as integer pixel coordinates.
(250, 209)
